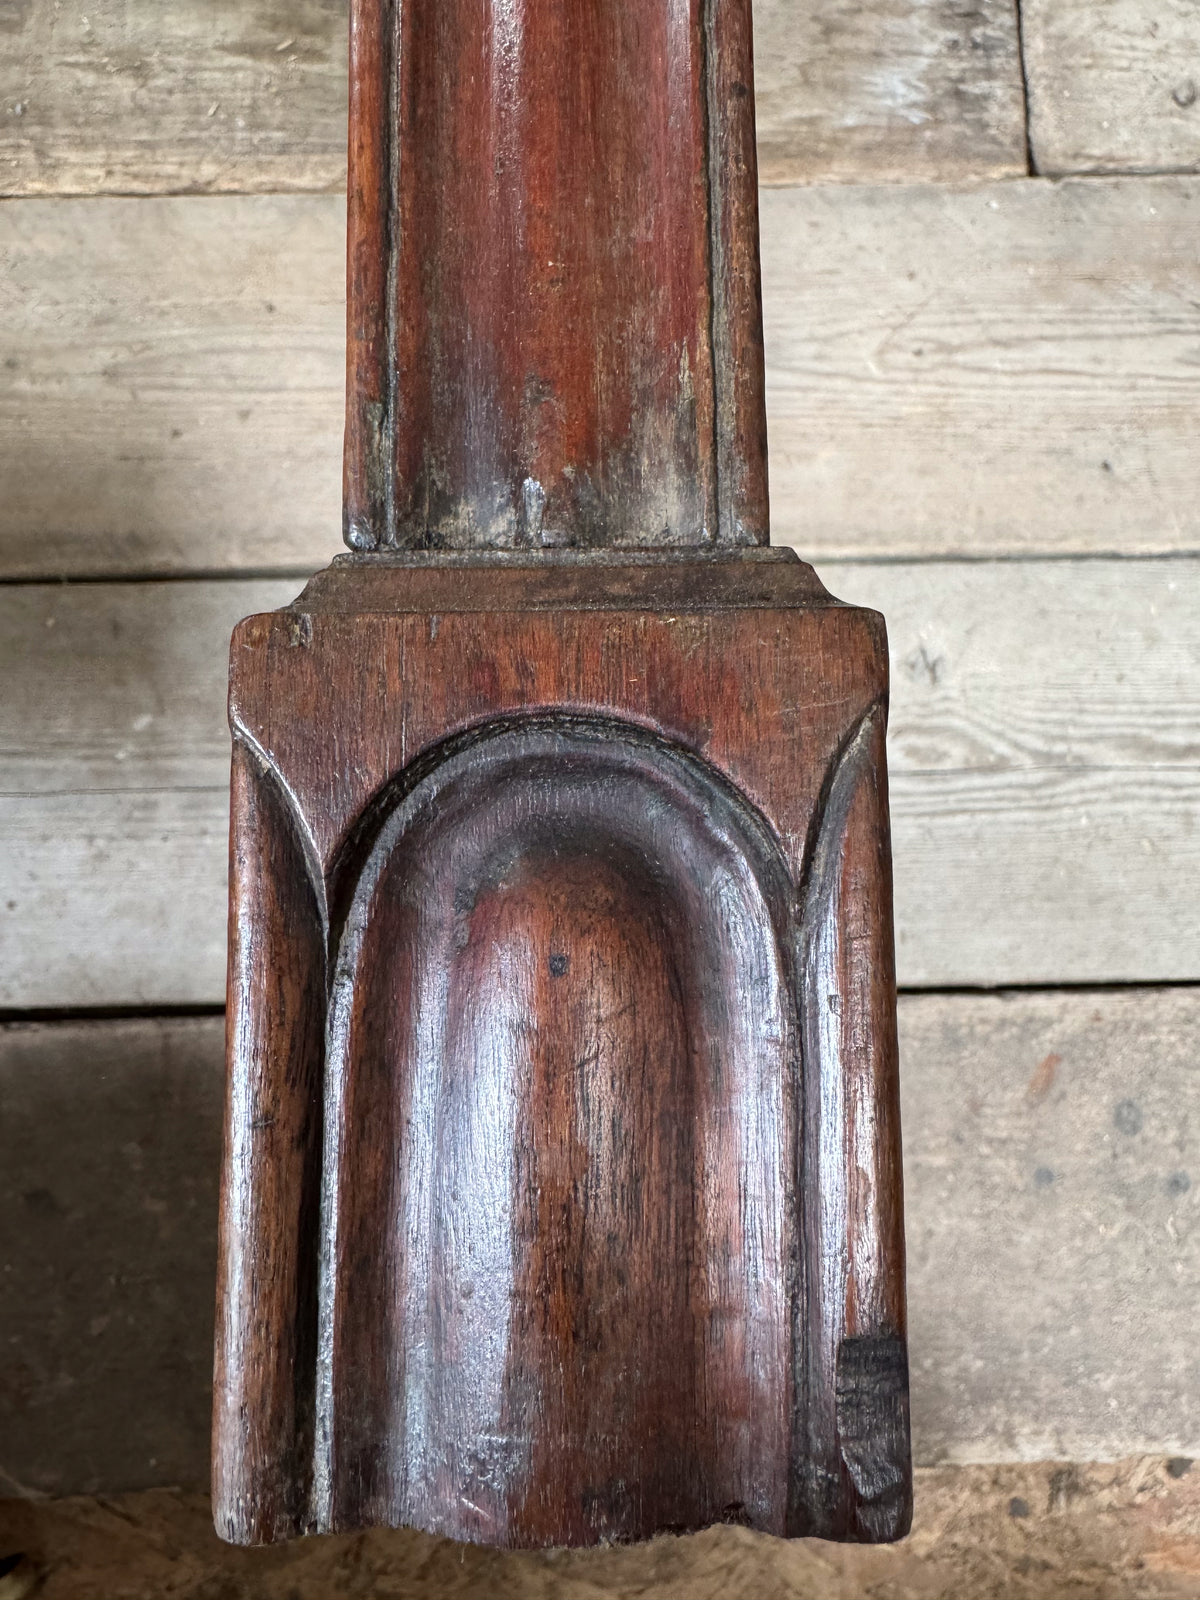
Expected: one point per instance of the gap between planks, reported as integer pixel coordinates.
(1044, 763)
(1052, 1177)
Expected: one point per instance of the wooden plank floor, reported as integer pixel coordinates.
(982, 348)
(1045, 771)
(983, 391)
(1112, 88)
(140, 98)
(1052, 1170)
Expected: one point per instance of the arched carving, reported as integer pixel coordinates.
(559, 1208)
(562, 1196)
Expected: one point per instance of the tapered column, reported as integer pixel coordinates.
(554, 322)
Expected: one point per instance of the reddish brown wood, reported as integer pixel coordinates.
(554, 321)
(562, 1187)
(611, 1223)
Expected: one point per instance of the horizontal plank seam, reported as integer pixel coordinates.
(1053, 174)
(999, 559)
(121, 578)
(67, 1015)
(187, 192)
(168, 788)
(172, 575)
(998, 991)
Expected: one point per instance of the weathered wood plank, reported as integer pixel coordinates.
(1112, 87)
(134, 97)
(1051, 1172)
(1045, 767)
(888, 91)
(110, 1139)
(114, 803)
(1051, 1153)
(1002, 370)
(999, 370)
(172, 387)
(1045, 777)
(250, 95)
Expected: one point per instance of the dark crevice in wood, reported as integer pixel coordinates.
(52, 580)
(999, 991)
(16, 1017)
(1031, 168)
(159, 1012)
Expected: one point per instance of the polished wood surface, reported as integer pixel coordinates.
(610, 1234)
(562, 1198)
(554, 321)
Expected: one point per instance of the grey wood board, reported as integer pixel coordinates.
(137, 97)
(1114, 88)
(110, 1138)
(250, 95)
(1052, 1146)
(171, 392)
(1044, 754)
(1008, 369)
(1005, 369)
(1052, 1173)
(891, 91)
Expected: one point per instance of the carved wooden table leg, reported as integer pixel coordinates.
(562, 1193)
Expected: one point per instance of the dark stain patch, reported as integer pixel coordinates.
(1043, 1177)
(300, 631)
(873, 1431)
(15, 15)
(1178, 1183)
(1042, 1082)
(559, 966)
(1066, 1485)
(1128, 1117)
(1179, 1466)
(1018, 1507)
(42, 1204)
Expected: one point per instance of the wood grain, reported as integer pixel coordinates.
(1049, 1245)
(1051, 1166)
(889, 91)
(578, 362)
(603, 888)
(1013, 360)
(1043, 758)
(1113, 87)
(171, 384)
(137, 98)
(141, 98)
(1001, 370)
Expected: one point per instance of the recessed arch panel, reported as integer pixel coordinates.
(560, 1223)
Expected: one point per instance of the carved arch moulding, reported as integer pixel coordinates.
(563, 1160)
